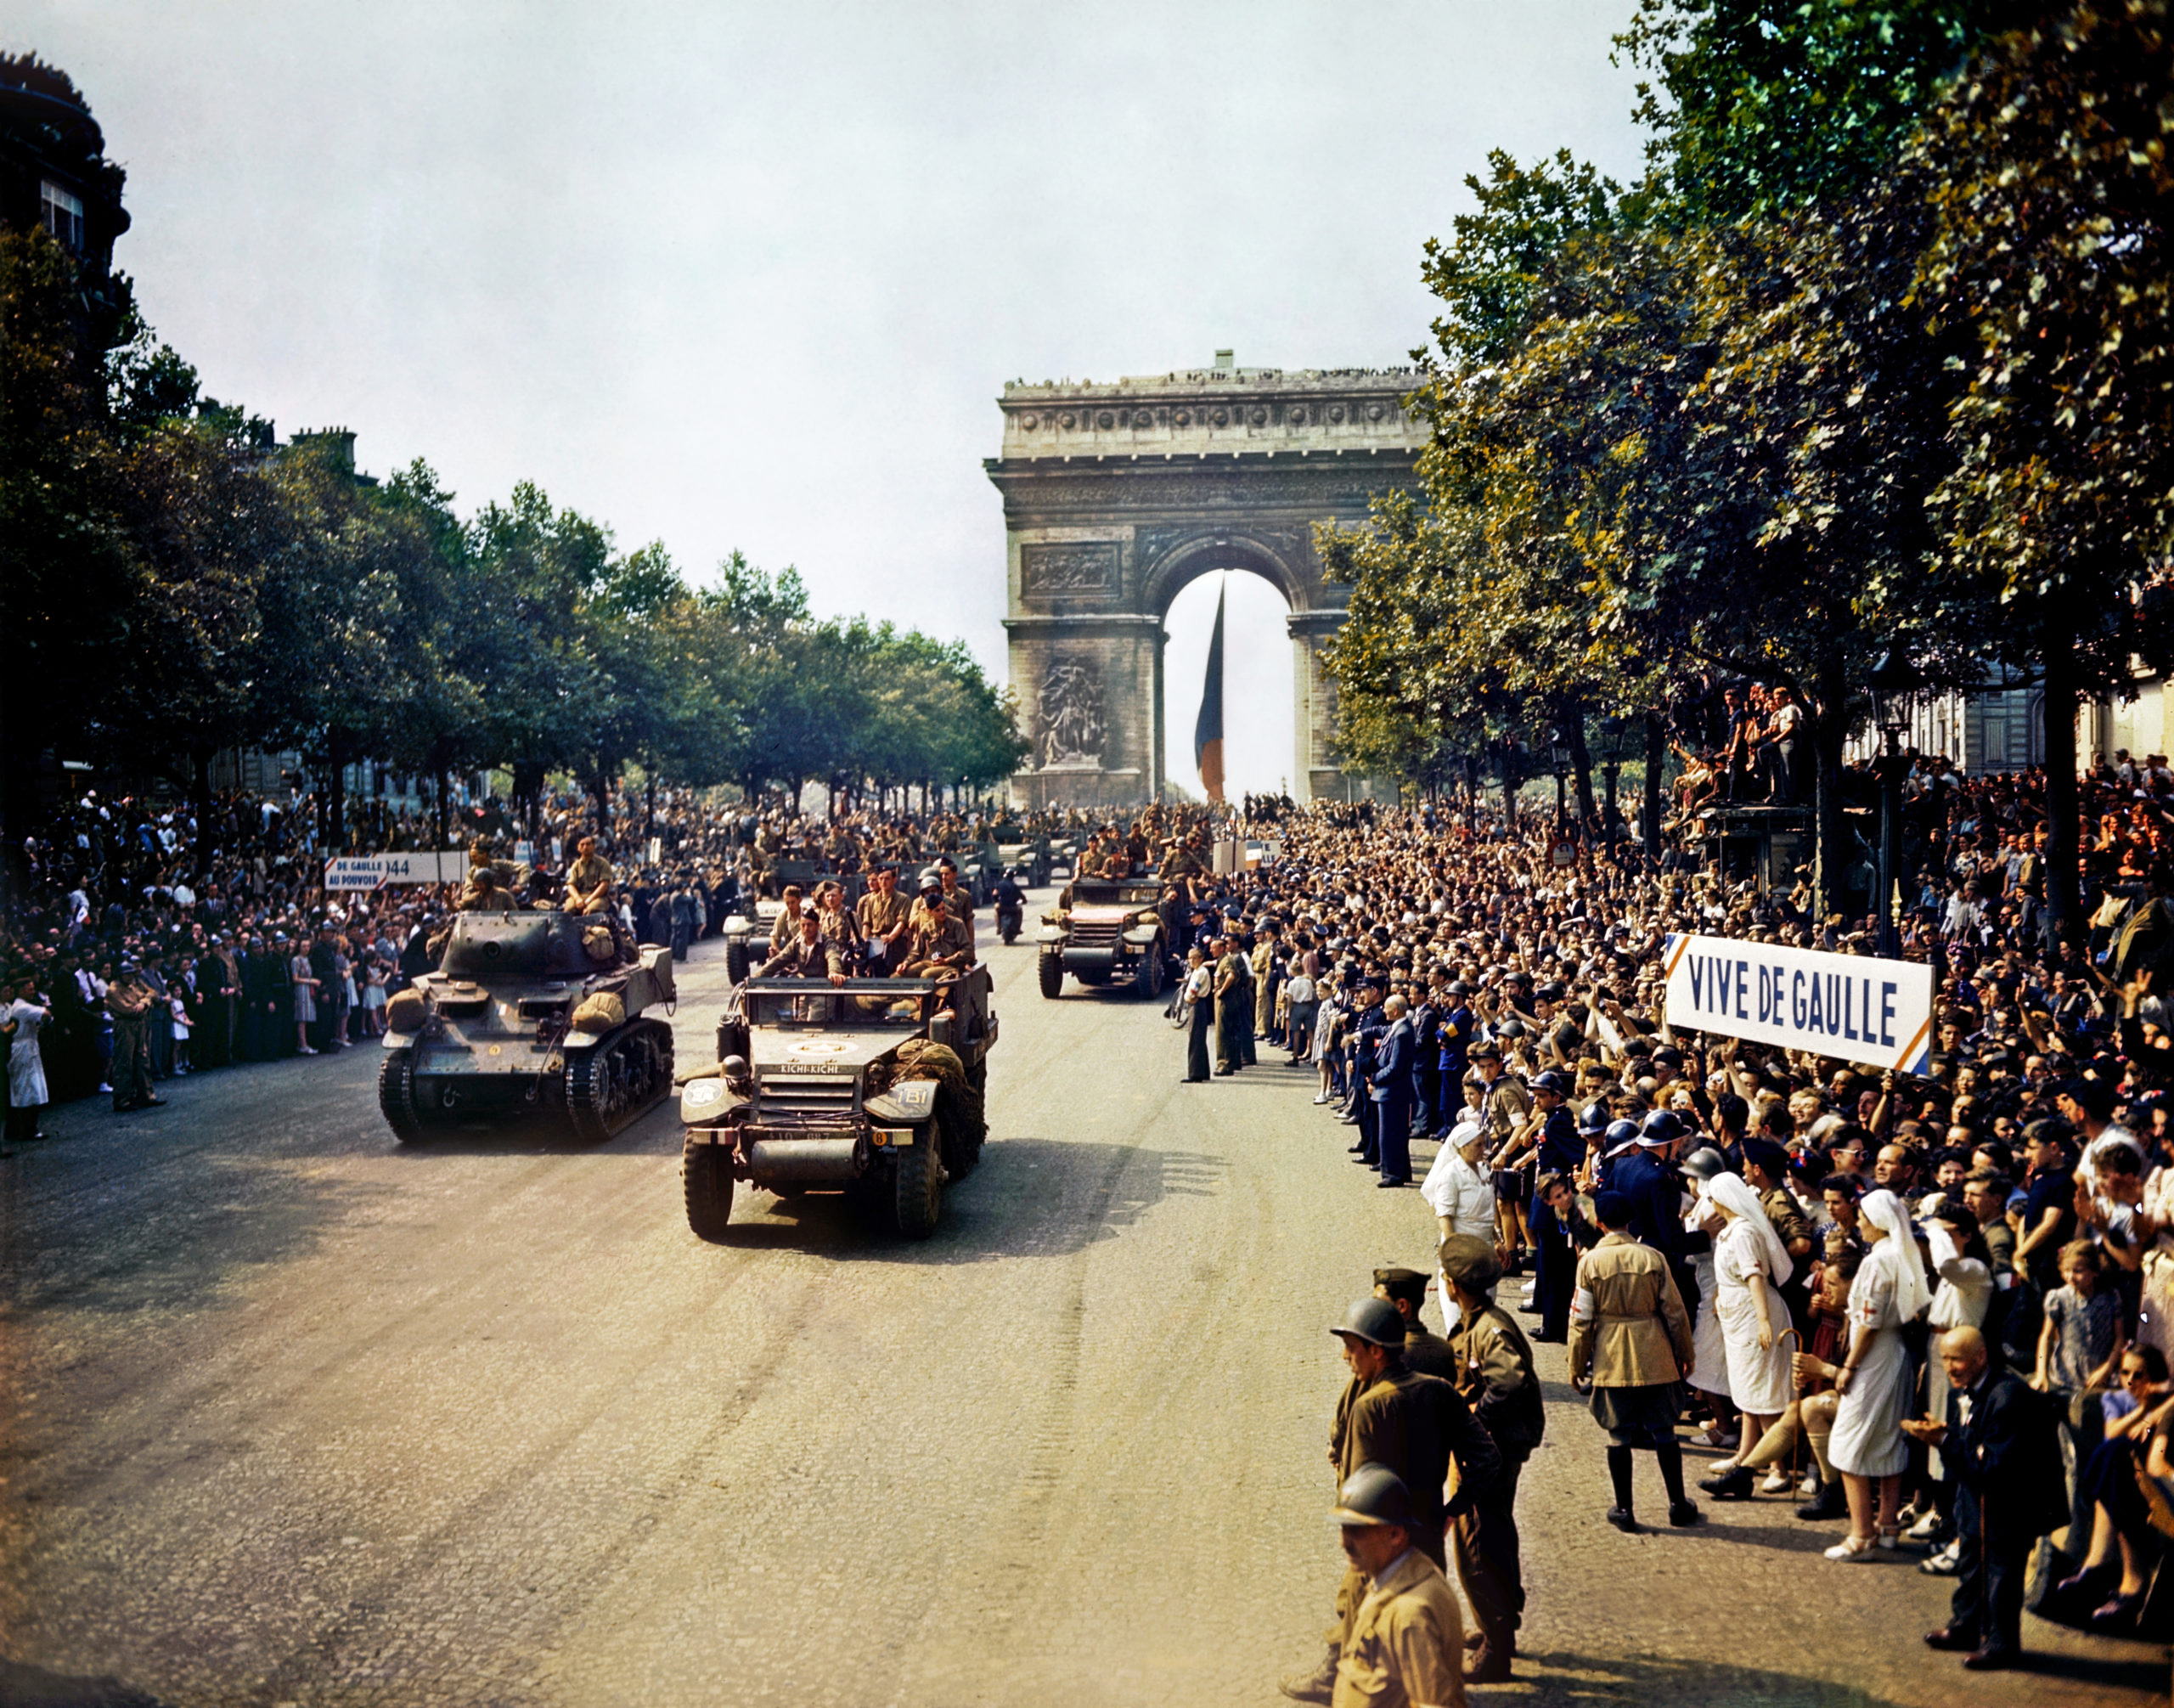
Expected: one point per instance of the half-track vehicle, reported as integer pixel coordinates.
(1030, 860)
(1110, 934)
(873, 1087)
(528, 1013)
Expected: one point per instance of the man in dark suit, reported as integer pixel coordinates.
(1391, 1089)
(1998, 1442)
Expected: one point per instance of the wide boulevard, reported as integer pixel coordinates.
(292, 1413)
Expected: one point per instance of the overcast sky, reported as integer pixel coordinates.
(751, 276)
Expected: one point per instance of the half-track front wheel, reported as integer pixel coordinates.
(1052, 972)
(396, 1096)
(611, 1086)
(735, 959)
(1147, 978)
(920, 1184)
(706, 1179)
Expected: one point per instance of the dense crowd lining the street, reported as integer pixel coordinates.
(1935, 1311)
(1789, 1260)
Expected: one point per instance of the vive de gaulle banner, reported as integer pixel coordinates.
(1860, 1008)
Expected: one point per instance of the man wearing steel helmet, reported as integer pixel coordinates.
(1402, 1647)
(1416, 1426)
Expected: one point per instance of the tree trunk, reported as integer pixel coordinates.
(336, 746)
(2064, 893)
(200, 795)
(440, 781)
(1582, 763)
(1828, 729)
(1656, 758)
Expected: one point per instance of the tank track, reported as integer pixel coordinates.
(611, 1087)
(396, 1096)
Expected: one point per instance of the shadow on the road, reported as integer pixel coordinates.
(178, 1249)
(541, 1135)
(23, 1686)
(1030, 1197)
(1565, 1677)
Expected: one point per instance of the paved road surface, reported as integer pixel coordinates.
(292, 1414)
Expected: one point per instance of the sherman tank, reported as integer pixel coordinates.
(529, 1014)
(873, 1088)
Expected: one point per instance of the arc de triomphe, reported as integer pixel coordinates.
(1115, 496)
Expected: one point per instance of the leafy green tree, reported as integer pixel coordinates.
(1758, 108)
(2048, 175)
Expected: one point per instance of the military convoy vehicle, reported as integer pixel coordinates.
(1029, 862)
(1109, 934)
(872, 1087)
(528, 1013)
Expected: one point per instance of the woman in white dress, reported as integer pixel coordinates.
(1867, 1446)
(1710, 1352)
(305, 1002)
(1750, 1263)
(21, 1020)
(1961, 1296)
(1457, 1190)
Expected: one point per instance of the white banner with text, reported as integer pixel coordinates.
(1862, 1009)
(374, 871)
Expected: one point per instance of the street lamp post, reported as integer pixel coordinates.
(1894, 683)
(1559, 752)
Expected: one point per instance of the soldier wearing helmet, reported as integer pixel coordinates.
(1416, 1426)
(1406, 1634)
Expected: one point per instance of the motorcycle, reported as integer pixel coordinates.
(1008, 922)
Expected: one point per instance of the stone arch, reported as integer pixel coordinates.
(1108, 519)
(1186, 557)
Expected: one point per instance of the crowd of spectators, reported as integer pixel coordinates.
(1840, 1237)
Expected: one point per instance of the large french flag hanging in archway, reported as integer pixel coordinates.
(1208, 730)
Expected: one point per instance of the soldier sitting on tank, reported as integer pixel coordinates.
(589, 881)
(808, 954)
(488, 888)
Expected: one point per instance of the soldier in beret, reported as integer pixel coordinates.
(1424, 1350)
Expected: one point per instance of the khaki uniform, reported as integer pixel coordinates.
(803, 959)
(1628, 1328)
(931, 947)
(1496, 1377)
(1264, 961)
(584, 880)
(880, 914)
(1788, 1221)
(1429, 1354)
(1405, 1647)
(1508, 1104)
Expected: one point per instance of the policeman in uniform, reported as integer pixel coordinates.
(1494, 1374)
(1367, 1031)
